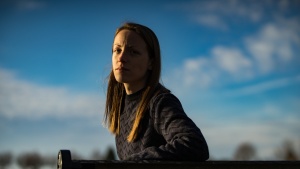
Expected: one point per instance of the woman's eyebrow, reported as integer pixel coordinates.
(117, 44)
(127, 45)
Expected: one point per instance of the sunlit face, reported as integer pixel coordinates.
(130, 60)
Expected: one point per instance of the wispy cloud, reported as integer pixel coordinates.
(273, 49)
(219, 13)
(23, 99)
(232, 61)
(266, 138)
(274, 45)
(213, 21)
(30, 4)
(265, 126)
(213, 13)
(264, 86)
(205, 72)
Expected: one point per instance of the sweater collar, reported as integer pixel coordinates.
(135, 96)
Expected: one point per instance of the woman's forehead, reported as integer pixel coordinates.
(128, 38)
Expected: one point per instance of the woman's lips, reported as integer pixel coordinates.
(122, 69)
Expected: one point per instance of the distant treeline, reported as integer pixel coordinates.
(34, 160)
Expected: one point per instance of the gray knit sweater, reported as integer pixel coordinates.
(166, 132)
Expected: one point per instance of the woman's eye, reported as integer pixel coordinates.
(117, 50)
(134, 52)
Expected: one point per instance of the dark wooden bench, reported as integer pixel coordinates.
(65, 161)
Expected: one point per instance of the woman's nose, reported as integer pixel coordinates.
(123, 57)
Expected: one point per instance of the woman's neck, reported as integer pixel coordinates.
(130, 89)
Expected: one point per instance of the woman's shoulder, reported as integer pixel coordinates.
(161, 92)
(163, 96)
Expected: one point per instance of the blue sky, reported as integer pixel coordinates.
(233, 64)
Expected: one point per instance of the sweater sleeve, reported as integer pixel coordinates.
(184, 140)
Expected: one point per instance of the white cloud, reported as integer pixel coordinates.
(30, 4)
(234, 135)
(283, 4)
(213, 13)
(205, 72)
(20, 98)
(264, 86)
(266, 138)
(273, 49)
(213, 21)
(265, 126)
(232, 61)
(195, 68)
(272, 46)
(196, 72)
(220, 14)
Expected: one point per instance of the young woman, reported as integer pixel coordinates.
(148, 121)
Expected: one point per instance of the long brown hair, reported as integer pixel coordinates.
(116, 90)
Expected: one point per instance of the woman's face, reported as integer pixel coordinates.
(130, 60)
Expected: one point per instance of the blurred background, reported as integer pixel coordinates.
(233, 64)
